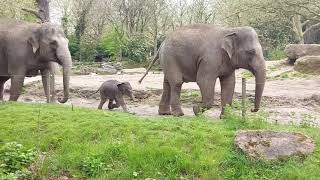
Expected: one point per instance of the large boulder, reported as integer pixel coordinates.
(296, 51)
(270, 145)
(308, 65)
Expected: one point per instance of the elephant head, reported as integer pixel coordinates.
(243, 50)
(126, 89)
(49, 43)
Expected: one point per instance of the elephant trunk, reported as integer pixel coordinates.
(260, 76)
(66, 65)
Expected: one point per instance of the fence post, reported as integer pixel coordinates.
(48, 86)
(244, 97)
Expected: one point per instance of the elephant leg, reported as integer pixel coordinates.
(207, 89)
(175, 91)
(52, 82)
(227, 90)
(45, 82)
(164, 106)
(111, 105)
(120, 101)
(1, 90)
(102, 101)
(2, 81)
(116, 105)
(16, 87)
(52, 89)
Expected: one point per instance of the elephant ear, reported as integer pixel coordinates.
(228, 44)
(34, 41)
(121, 86)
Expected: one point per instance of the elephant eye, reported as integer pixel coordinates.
(54, 44)
(251, 52)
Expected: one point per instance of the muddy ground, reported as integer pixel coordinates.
(288, 97)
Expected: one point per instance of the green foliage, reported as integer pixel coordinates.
(109, 145)
(247, 74)
(112, 43)
(74, 47)
(15, 160)
(276, 54)
(134, 48)
(137, 48)
(82, 51)
(92, 166)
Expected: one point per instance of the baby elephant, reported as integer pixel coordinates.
(114, 91)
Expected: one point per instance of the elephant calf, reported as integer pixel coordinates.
(114, 90)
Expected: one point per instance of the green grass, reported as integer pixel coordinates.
(85, 143)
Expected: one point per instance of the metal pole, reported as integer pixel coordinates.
(244, 97)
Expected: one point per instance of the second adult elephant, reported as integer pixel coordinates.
(26, 49)
(203, 53)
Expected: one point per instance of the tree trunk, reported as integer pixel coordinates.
(43, 6)
(297, 28)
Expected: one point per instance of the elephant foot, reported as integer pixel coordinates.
(164, 110)
(197, 110)
(176, 110)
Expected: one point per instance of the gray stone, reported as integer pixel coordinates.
(296, 51)
(308, 65)
(107, 69)
(270, 145)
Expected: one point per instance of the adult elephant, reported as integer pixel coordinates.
(26, 49)
(202, 53)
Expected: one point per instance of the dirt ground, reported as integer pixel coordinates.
(286, 100)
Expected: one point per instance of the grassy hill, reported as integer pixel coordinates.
(83, 143)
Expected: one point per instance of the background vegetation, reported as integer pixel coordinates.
(132, 30)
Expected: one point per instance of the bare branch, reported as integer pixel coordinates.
(32, 12)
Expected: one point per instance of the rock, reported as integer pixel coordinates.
(134, 71)
(308, 65)
(106, 69)
(269, 145)
(118, 66)
(296, 51)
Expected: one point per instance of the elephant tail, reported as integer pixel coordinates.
(95, 92)
(155, 58)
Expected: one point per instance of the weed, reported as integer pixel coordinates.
(15, 160)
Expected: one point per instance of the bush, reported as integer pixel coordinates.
(134, 48)
(74, 46)
(137, 48)
(112, 44)
(15, 160)
(276, 54)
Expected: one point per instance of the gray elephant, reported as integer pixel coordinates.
(202, 53)
(114, 90)
(26, 49)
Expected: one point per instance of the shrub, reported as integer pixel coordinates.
(112, 43)
(276, 54)
(137, 48)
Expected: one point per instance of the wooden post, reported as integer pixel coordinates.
(48, 86)
(244, 97)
